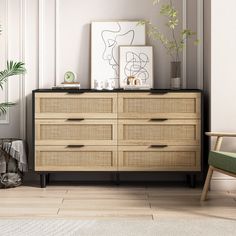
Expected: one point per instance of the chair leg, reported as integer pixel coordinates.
(207, 183)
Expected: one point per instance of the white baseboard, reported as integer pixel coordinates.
(223, 184)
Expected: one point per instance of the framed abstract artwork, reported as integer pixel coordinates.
(136, 66)
(106, 37)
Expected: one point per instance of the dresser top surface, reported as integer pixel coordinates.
(116, 91)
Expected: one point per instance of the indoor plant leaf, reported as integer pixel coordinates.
(4, 107)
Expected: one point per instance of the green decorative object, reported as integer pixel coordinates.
(13, 68)
(16, 68)
(69, 77)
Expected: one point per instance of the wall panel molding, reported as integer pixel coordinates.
(41, 43)
(5, 25)
(200, 28)
(22, 77)
(184, 26)
(57, 40)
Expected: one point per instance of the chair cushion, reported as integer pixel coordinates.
(223, 160)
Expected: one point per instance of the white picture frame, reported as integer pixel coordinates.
(136, 66)
(106, 37)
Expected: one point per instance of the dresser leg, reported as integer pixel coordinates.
(43, 180)
(117, 178)
(187, 180)
(192, 181)
(47, 178)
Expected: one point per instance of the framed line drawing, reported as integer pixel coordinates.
(136, 66)
(106, 37)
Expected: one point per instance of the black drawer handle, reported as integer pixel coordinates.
(155, 92)
(75, 146)
(158, 119)
(75, 92)
(158, 146)
(75, 119)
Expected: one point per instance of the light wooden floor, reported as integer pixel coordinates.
(111, 201)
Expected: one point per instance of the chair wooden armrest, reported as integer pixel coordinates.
(219, 138)
(220, 134)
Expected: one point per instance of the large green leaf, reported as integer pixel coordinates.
(13, 68)
(4, 107)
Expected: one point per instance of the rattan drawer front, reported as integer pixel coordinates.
(169, 105)
(84, 105)
(86, 132)
(147, 132)
(88, 158)
(172, 158)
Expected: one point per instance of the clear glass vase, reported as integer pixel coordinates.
(175, 79)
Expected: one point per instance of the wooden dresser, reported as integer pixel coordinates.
(117, 131)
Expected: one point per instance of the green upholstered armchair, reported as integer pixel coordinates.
(223, 162)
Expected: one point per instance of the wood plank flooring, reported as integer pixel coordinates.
(114, 202)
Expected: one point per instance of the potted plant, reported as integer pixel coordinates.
(174, 46)
(13, 68)
(10, 175)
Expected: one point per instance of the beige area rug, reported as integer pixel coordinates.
(203, 227)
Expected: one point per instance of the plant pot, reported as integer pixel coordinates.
(175, 80)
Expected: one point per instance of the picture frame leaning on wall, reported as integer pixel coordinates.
(136, 67)
(106, 37)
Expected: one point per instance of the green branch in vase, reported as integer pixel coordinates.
(175, 45)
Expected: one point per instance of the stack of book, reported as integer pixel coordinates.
(68, 85)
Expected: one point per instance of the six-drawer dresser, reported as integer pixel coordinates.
(117, 131)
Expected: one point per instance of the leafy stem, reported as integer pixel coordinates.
(16, 68)
(176, 44)
(13, 68)
(174, 18)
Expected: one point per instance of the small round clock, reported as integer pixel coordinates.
(69, 77)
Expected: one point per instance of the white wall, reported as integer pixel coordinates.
(10, 47)
(223, 78)
(53, 36)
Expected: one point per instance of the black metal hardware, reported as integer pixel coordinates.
(75, 119)
(157, 92)
(75, 146)
(158, 146)
(74, 92)
(158, 119)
